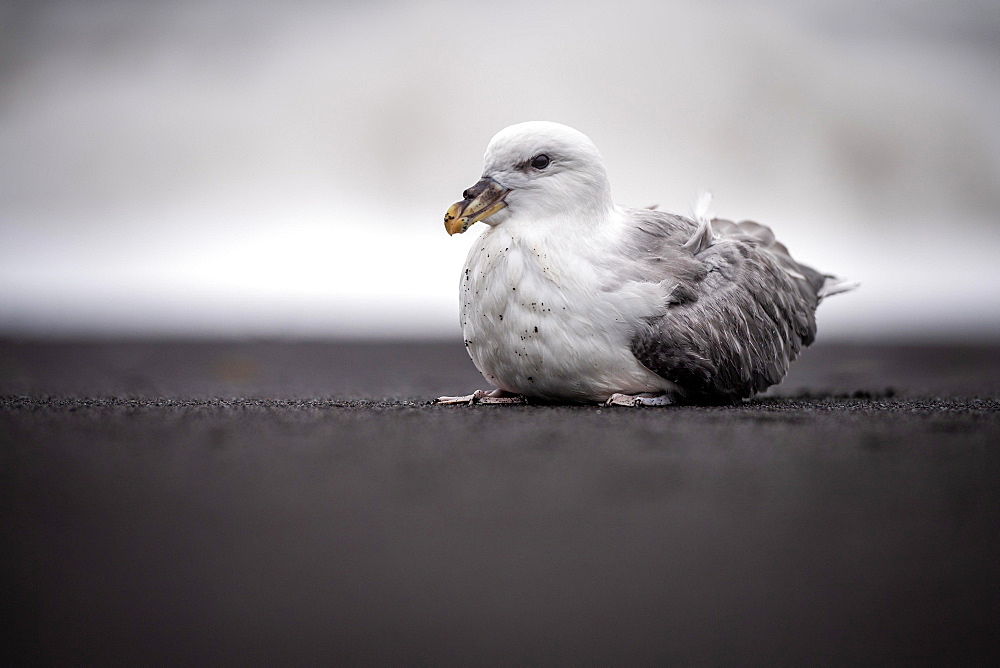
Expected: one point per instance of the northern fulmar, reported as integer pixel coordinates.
(568, 297)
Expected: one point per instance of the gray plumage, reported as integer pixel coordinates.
(741, 311)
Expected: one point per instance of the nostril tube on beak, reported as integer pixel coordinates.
(479, 202)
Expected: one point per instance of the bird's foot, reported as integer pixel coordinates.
(644, 399)
(481, 397)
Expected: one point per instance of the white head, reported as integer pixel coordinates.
(536, 169)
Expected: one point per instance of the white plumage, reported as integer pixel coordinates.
(539, 317)
(568, 297)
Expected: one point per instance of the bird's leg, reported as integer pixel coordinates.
(496, 396)
(643, 399)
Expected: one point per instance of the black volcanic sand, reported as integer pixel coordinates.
(299, 502)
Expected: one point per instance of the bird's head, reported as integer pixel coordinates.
(537, 169)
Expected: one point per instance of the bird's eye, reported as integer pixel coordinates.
(540, 161)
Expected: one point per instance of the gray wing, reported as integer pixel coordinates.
(737, 317)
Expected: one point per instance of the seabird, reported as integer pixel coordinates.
(568, 297)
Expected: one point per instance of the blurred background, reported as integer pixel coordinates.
(281, 168)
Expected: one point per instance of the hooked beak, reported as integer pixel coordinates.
(480, 201)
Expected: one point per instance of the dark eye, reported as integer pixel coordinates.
(540, 161)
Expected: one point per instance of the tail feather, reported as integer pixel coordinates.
(834, 285)
(711, 229)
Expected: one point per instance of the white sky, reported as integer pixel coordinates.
(282, 168)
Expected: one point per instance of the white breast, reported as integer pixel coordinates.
(546, 323)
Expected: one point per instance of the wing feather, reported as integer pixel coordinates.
(750, 308)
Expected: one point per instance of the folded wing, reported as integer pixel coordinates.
(734, 322)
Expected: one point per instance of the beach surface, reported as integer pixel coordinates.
(239, 501)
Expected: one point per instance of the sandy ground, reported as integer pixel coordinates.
(299, 502)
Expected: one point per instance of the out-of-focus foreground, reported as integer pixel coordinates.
(299, 503)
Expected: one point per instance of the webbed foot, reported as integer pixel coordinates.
(644, 399)
(480, 397)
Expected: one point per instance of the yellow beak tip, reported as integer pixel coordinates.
(481, 201)
(454, 225)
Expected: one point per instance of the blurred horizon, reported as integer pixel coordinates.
(280, 169)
